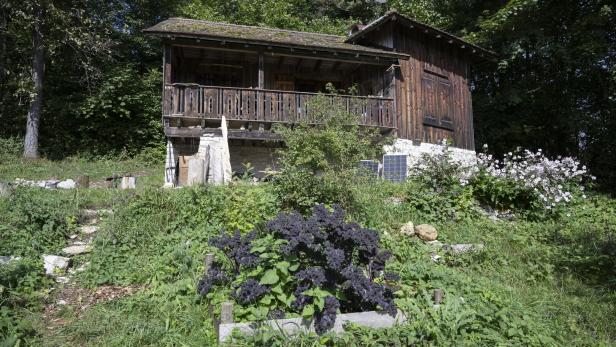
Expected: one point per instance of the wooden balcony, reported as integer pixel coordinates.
(267, 106)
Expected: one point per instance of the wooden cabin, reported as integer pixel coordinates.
(411, 80)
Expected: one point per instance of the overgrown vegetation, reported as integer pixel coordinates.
(541, 281)
(320, 163)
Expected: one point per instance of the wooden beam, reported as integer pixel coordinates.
(295, 53)
(280, 61)
(236, 134)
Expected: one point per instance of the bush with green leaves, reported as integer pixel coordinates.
(321, 155)
(315, 267)
(438, 186)
(34, 221)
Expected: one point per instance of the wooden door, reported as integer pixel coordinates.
(437, 106)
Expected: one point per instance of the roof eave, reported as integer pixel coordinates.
(475, 50)
(164, 34)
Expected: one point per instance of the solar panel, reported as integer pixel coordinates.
(369, 167)
(395, 167)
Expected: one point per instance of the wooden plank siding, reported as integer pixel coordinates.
(433, 99)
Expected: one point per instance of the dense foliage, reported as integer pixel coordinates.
(315, 267)
(319, 163)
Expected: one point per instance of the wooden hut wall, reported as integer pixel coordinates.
(433, 82)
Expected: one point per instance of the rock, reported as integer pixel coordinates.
(68, 184)
(408, 228)
(72, 237)
(7, 259)
(55, 263)
(89, 229)
(62, 279)
(61, 302)
(426, 232)
(5, 189)
(52, 184)
(76, 249)
(435, 257)
(88, 216)
(435, 244)
(394, 200)
(128, 182)
(464, 248)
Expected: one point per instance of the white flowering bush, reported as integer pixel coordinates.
(439, 185)
(526, 179)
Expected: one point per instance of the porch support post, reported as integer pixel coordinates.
(261, 71)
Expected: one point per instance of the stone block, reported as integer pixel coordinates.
(370, 319)
(128, 182)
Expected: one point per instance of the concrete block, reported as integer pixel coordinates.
(371, 319)
(196, 171)
(128, 182)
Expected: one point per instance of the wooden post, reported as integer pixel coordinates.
(438, 297)
(261, 71)
(226, 313)
(82, 181)
(209, 260)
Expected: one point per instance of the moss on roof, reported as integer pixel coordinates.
(221, 31)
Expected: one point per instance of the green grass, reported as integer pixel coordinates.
(546, 282)
(41, 169)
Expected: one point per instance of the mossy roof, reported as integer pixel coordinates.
(182, 27)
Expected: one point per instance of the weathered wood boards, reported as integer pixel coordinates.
(269, 106)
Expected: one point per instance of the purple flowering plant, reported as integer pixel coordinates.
(315, 267)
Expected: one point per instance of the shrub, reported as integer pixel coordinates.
(11, 148)
(313, 266)
(35, 221)
(321, 156)
(438, 186)
(528, 180)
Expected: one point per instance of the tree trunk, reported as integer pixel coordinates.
(36, 105)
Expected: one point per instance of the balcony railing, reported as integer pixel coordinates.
(268, 106)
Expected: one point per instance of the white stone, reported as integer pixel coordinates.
(76, 249)
(67, 184)
(6, 259)
(55, 264)
(464, 248)
(61, 302)
(293, 326)
(128, 182)
(89, 229)
(225, 155)
(196, 171)
(170, 162)
(62, 279)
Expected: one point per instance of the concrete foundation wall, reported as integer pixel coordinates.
(415, 151)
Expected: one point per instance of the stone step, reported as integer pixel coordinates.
(77, 249)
